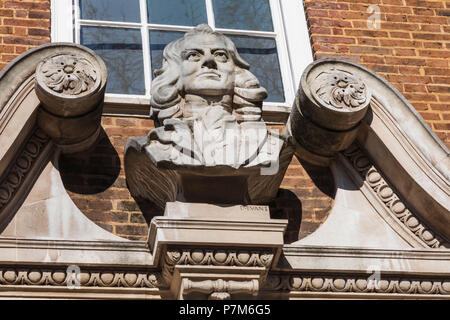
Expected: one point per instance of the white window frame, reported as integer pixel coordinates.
(290, 33)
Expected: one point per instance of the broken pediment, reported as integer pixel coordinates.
(389, 202)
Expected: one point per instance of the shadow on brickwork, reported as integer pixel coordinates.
(306, 205)
(91, 171)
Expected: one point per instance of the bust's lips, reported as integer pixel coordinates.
(209, 74)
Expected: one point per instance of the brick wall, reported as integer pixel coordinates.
(23, 25)
(411, 49)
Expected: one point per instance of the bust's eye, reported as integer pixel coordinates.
(221, 56)
(192, 56)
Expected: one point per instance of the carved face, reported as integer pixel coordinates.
(207, 67)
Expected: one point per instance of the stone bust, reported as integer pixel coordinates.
(204, 69)
(209, 135)
(207, 105)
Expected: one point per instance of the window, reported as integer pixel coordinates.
(130, 36)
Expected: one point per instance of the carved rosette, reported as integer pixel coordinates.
(345, 283)
(68, 74)
(340, 89)
(71, 86)
(331, 101)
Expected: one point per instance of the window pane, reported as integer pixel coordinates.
(158, 40)
(243, 14)
(261, 54)
(177, 12)
(121, 49)
(110, 10)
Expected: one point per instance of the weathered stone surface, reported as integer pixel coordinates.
(330, 103)
(71, 87)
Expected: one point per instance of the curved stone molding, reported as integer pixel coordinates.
(13, 178)
(17, 180)
(394, 135)
(392, 202)
(345, 283)
(330, 103)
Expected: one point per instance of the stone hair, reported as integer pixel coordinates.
(166, 92)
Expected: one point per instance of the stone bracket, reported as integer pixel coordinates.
(71, 83)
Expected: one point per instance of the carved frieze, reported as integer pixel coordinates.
(36, 276)
(347, 283)
(214, 257)
(219, 257)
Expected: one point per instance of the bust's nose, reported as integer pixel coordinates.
(209, 62)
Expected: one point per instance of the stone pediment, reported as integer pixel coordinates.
(391, 206)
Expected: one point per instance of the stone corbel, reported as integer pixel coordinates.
(208, 251)
(215, 273)
(330, 103)
(71, 88)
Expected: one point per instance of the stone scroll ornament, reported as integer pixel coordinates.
(330, 103)
(210, 143)
(71, 86)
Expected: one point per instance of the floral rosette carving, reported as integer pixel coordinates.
(340, 89)
(68, 74)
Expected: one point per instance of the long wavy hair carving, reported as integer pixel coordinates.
(167, 93)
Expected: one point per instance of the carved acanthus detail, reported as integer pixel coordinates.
(390, 199)
(216, 257)
(339, 89)
(68, 74)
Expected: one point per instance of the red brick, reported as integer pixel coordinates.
(39, 15)
(27, 23)
(39, 32)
